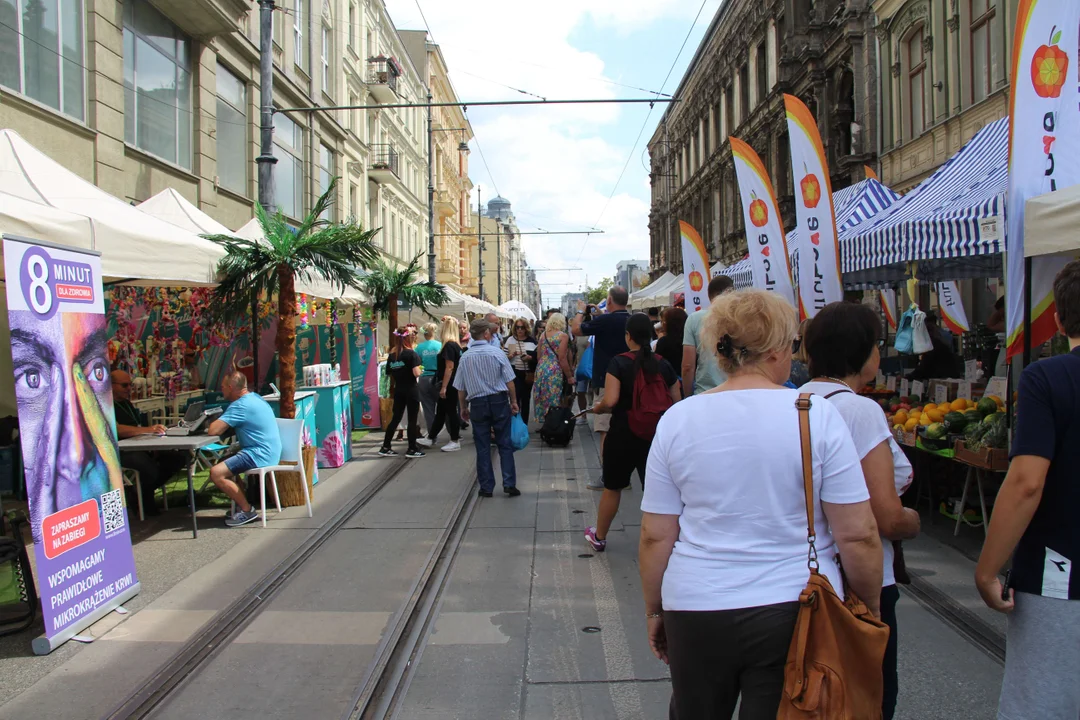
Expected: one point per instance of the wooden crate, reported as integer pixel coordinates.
(991, 459)
(288, 483)
(904, 438)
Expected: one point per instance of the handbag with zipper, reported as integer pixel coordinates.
(833, 669)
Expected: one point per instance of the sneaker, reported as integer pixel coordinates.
(596, 484)
(414, 454)
(387, 452)
(424, 442)
(511, 491)
(597, 544)
(484, 493)
(582, 421)
(451, 446)
(240, 517)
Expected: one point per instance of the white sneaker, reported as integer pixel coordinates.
(424, 442)
(451, 446)
(582, 421)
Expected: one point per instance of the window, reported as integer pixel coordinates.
(917, 83)
(326, 175)
(729, 111)
(289, 170)
(744, 93)
(762, 73)
(352, 33)
(157, 84)
(353, 217)
(298, 35)
(232, 143)
(325, 48)
(983, 49)
(41, 52)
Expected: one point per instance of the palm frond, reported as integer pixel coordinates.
(385, 281)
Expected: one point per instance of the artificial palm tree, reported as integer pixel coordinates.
(385, 285)
(317, 250)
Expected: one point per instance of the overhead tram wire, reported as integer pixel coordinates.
(500, 84)
(481, 103)
(646, 121)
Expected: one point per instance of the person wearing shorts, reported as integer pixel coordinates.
(256, 430)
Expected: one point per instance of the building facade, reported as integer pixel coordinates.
(138, 96)
(505, 267)
(631, 274)
(944, 75)
(822, 51)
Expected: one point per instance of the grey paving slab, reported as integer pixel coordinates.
(598, 701)
(565, 503)
(422, 496)
(492, 572)
(520, 512)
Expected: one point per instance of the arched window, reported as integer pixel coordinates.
(917, 82)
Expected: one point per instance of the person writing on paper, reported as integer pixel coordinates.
(257, 432)
(723, 551)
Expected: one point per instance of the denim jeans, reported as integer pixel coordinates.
(492, 412)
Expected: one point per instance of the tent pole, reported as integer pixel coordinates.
(255, 340)
(1027, 311)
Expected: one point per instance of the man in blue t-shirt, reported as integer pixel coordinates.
(1035, 521)
(256, 430)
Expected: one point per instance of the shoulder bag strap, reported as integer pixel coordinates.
(803, 405)
(837, 392)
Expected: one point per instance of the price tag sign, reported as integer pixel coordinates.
(971, 370)
(905, 387)
(890, 383)
(963, 390)
(880, 379)
(941, 394)
(918, 388)
(996, 387)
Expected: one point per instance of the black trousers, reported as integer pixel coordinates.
(154, 468)
(718, 656)
(446, 413)
(403, 403)
(889, 597)
(524, 393)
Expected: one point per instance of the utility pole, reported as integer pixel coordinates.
(430, 193)
(480, 240)
(498, 261)
(266, 160)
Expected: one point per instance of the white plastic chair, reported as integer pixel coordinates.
(292, 450)
(131, 477)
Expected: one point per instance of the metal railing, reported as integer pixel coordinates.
(385, 157)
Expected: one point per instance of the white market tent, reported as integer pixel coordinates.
(1051, 222)
(42, 199)
(658, 292)
(517, 309)
(170, 206)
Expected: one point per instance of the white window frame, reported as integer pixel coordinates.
(298, 34)
(294, 151)
(244, 114)
(325, 58)
(20, 38)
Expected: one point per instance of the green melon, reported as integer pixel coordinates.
(955, 422)
(986, 406)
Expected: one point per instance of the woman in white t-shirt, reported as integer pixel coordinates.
(723, 552)
(843, 345)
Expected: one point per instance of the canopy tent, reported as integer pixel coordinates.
(658, 292)
(458, 304)
(1050, 223)
(44, 200)
(517, 309)
(647, 292)
(952, 224)
(170, 206)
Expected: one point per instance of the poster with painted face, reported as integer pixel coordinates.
(67, 429)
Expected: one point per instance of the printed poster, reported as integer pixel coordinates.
(364, 374)
(695, 268)
(56, 311)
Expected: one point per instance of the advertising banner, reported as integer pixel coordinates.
(888, 306)
(952, 308)
(695, 268)
(1044, 142)
(364, 374)
(819, 251)
(769, 263)
(56, 312)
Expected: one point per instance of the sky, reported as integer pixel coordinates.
(560, 166)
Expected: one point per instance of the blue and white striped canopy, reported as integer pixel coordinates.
(957, 212)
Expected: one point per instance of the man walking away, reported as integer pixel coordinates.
(609, 331)
(429, 356)
(485, 384)
(1034, 520)
(700, 370)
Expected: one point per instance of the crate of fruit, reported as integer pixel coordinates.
(903, 437)
(987, 458)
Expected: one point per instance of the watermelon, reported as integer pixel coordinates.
(993, 418)
(986, 406)
(936, 431)
(955, 422)
(973, 416)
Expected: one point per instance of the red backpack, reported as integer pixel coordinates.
(650, 401)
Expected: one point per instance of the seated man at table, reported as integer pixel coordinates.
(154, 468)
(256, 430)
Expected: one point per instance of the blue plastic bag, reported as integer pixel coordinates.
(519, 433)
(584, 366)
(905, 332)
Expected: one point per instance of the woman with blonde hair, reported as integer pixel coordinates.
(446, 409)
(723, 553)
(553, 370)
(428, 352)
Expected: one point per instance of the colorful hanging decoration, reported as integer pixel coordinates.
(302, 309)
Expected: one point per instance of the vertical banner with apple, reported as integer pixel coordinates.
(819, 252)
(695, 268)
(1044, 142)
(769, 263)
(888, 306)
(952, 307)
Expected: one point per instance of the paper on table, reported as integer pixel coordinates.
(918, 388)
(963, 390)
(996, 387)
(905, 387)
(890, 383)
(971, 370)
(941, 394)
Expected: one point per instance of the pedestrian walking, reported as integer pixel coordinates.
(447, 409)
(629, 386)
(404, 367)
(843, 346)
(554, 373)
(800, 358)
(429, 393)
(583, 374)
(700, 370)
(520, 348)
(1034, 521)
(488, 399)
(723, 551)
(670, 344)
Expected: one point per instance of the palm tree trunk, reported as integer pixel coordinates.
(392, 313)
(285, 341)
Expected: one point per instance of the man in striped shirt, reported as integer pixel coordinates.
(485, 384)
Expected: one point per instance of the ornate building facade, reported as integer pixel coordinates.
(754, 51)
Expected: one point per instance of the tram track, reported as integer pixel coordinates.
(957, 617)
(404, 636)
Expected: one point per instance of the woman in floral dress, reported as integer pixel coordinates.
(552, 367)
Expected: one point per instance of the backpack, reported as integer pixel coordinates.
(651, 400)
(558, 427)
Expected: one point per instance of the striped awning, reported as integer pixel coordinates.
(957, 212)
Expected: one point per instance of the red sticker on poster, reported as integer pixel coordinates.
(70, 528)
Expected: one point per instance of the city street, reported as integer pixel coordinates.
(515, 616)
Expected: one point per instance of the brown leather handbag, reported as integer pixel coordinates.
(833, 669)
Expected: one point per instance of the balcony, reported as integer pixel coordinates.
(205, 19)
(384, 164)
(383, 75)
(446, 204)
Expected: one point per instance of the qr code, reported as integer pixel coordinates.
(112, 510)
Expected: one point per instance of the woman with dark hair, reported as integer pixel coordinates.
(624, 451)
(404, 367)
(520, 347)
(843, 343)
(670, 345)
